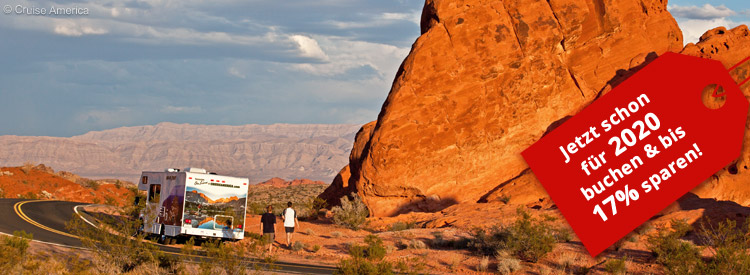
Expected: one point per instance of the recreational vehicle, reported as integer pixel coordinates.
(193, 202)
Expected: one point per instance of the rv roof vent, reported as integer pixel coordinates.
(171, 170)
(195, 170)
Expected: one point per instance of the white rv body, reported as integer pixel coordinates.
(194, 203)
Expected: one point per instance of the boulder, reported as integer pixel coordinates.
(484, 81)
(730, 47)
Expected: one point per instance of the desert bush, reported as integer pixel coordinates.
(563, 235)
(26, 168)
(527, 238)
(364, 260)
(297, 246)
(483, 264)
(375, 248)
(729, 245)
(225, 256)
(505, 199)
(13, 250)
(506, 264)
(336, 234)
(29, 196)
(91, 184)
(438, 240)
(417, 244)
(315, 248)
(411, 266)
(399, 226)
(616, 266)
(109, 200)
(677, 256)
(352, 213)
(315, 205)
(309, 232)
(360, 266)
(112, 252)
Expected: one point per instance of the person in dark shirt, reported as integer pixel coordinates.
(267, 223)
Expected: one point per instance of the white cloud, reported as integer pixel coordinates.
(181, 109)
(103, 119)
(236, 72)
(693, 29)
(414, 17)
(309, 47)
(379, 20)
(706, 12)
(68, 28)
(347, 54)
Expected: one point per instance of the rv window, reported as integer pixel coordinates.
(153, 193)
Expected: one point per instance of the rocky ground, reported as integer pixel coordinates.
(41, 182)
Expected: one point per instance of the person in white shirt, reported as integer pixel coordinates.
(290, 221)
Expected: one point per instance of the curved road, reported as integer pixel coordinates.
(46, 221)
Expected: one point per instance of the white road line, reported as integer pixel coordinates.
(75, 209)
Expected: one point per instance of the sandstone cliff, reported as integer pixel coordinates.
(257, 151)
(484, 81)
(730, 47)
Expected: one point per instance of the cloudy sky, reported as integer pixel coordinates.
(128, 63)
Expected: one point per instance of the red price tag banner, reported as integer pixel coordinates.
(640, 147)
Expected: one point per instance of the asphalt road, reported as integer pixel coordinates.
(46, 221)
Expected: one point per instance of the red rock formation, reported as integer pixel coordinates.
(484, 81)
(729, 47)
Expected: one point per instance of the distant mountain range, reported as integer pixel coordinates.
(260, 152)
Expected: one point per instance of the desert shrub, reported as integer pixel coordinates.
(13, 250)
(297, 246)
(109, 200)
(336, 234)
(729, 245)
(366, 259)
(399, 226)
(315, 205)
(253, 235)
(506, 264)
(616, 266)
(438, 240)
(29, 196)
(527, 238)
(375, 248)
(483, 264)
(411, 265)
(360, 266)
(677, 256)
(225, 256)
(505, 199)
(563, 235)
(309, 232)
(417, 244)
(113, 253)
(315, 248)
(352, 213)
(26, 168)
(91, 184)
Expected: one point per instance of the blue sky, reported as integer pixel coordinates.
(234, 62)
